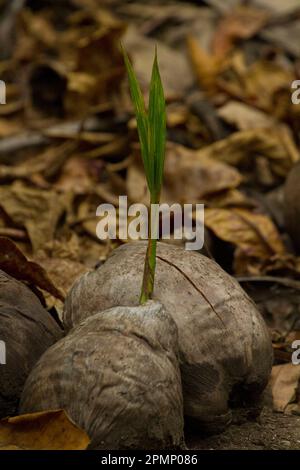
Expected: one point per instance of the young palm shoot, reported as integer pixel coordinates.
(151, 124)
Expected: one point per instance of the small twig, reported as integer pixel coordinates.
(37, 138)
(14, 233)
(279, 280)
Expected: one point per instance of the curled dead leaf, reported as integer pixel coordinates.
(274, 143)
(37, 210)
(254, 235)
(14, 263)
(207, 67)
(252, 85)
(285, 379)
(47, 430)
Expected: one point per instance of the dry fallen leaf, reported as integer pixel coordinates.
(75, 177)
(47, 430)
(80, 76)
(280, 35)
(284, 384)
(252, 85)
(47, 164)
(278, 7)
(190, 176)
(174, 66)
(14, 263)
(254, 234)
(274, 143)
(229, 198)
(37, 210)
(9, 127)
(241, 22)
(207, 67)
(63, 272)
(244, 117)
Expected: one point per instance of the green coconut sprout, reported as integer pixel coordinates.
(151, 124)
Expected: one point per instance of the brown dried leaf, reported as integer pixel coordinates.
(241, 23)
(47, 163)
(189, 177)
(47, 430)
(64, 272)
(14, 263)
(275, 143)
(192, 176)
(9, 127)
(245, 117)
(254, 234)
(174, 66)
(37, 210)
(229, 198)
(94, 77)
(74, 177)
(252, 84)
(278, 7)
(280, 35)
(34, 33)
(67, 73)
(284, 384)
(207, 67)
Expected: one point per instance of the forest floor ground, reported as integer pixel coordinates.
(273, 431)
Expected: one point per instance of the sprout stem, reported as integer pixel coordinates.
(150, 260)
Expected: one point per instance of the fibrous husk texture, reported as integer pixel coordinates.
(26, 330)
(225, 349)
(117, 376)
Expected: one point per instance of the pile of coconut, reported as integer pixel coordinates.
(129, 374)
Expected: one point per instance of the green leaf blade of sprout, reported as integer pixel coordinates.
(152, 135)
(157, 126)
(141, 118)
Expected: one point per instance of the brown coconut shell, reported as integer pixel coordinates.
(292, 205)
(118, 378)
(225, 348)
(27, 330)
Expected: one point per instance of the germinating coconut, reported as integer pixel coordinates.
(225, 348)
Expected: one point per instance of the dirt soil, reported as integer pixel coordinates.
(273, 431)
